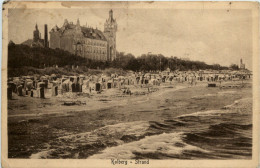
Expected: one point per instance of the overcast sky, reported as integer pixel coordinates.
(214, 36)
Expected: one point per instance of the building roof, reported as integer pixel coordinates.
(87, 31)
(93, 33)
(31, 43)
(28, 42)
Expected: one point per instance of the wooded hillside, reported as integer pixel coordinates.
(20, 56)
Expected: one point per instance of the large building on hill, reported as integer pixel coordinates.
(86, 41)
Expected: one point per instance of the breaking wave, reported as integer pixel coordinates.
(214, 134)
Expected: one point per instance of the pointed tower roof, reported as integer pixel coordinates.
(111, 19)
(111, 13)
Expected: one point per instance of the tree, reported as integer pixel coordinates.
(11, 44)
(23, 55)
(234, 67)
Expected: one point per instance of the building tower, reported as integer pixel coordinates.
(242, 66)
(46, 44)
(78, 44)
(36, 34)
(110, 28)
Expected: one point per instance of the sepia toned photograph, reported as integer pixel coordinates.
(131, 83)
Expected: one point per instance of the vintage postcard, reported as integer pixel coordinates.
(130, 84)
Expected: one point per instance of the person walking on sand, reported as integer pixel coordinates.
(130, 92)
(220, 83)
(194, 80)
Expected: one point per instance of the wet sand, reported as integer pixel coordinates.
(47, 129)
